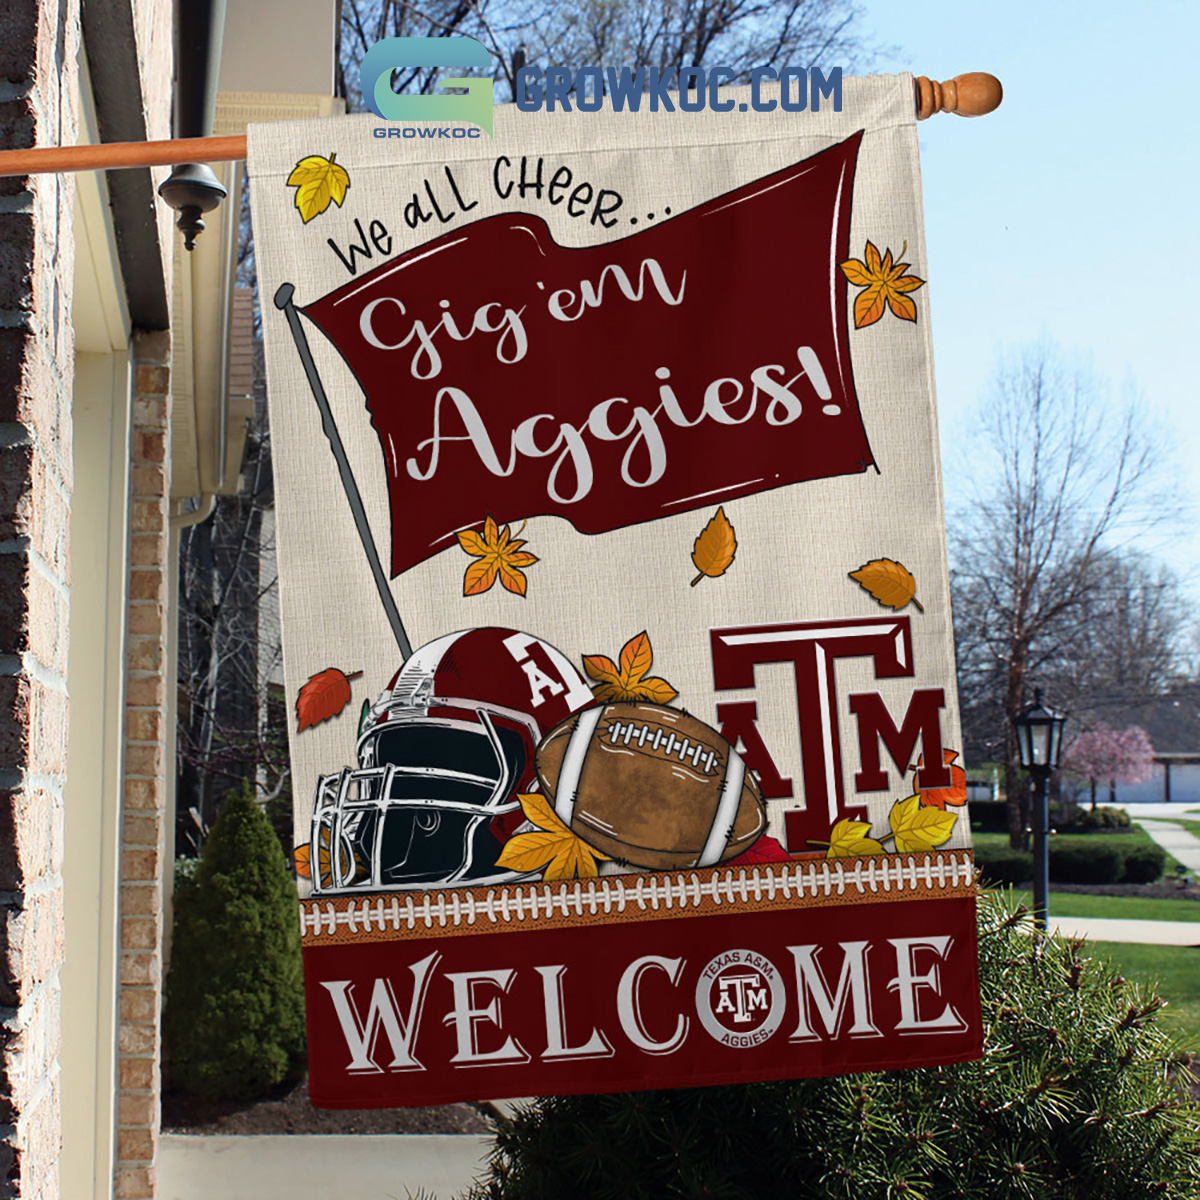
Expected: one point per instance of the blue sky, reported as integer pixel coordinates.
(1071, 213)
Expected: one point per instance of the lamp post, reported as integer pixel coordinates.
(1039, 743)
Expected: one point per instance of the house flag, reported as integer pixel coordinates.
(615, 607)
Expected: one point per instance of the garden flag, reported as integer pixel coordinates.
(617, 638)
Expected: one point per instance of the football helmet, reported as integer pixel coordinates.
(442, 756)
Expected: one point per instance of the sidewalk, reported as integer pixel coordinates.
(366, 1167)
(1174, 839)
(1111, 929)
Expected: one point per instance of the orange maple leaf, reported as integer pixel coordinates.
(955, 795)
(499, 554)
(301, 858)
(628, 682)
(885, 284)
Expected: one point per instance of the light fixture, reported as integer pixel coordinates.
(192, 190)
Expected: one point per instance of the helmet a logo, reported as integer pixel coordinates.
(539, 683)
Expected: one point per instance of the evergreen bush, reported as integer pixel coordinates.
(1144, 864)
(234, 1020)
(1003, 864)
(1086, 862)
(1078, 1096)
(989, 816)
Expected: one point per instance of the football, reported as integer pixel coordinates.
(651, 786)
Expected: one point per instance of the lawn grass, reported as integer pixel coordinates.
(1125, 908)
(1134, 836)
(1193, 827)
(1175, 969)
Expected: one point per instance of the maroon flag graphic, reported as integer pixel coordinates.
(702, 359)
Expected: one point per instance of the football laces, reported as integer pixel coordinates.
(659, 741)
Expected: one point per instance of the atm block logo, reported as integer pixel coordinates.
(409, 53)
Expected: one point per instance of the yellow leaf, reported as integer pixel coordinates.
(655, 691)
(319, 182)
(602, 669)
(917, 827)
(526, 852)
(856, 272)
(889, 582)
(472, 543)
(480, 576)
(902, 306)
(539, 811)
(552, 846)
(625, 684)
(848, 839)
(869, 306)
(884, 284)
(715, 548)
(499, 557)
(636, 657)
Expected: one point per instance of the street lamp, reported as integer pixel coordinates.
(1039, 743)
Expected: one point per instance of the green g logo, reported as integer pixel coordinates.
(398, 53)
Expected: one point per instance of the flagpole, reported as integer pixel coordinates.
(283, 301)
(973, 94)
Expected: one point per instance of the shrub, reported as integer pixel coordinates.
(1002, 864)
(1104, 817)
(1066, 814)
(1074, 1097)
(989, 816)
(234, 1021)
(1085, 862)
(1143, 864)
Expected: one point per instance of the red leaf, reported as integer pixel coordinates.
(955, 795)
(322, 697)
(765, 850)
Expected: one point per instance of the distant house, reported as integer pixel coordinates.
(1173, 723)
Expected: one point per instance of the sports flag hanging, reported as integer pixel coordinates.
(624, 741)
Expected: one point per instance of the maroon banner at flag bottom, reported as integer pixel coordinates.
(702, 359)
(453, 1013)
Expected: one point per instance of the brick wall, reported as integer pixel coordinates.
(38, 45)
(144, 816)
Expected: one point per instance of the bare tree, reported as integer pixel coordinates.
(230, 726)
(660, 34)
(1065, 479)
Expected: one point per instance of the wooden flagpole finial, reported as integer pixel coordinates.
(974, 94)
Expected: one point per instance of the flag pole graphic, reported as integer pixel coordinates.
(283, 301)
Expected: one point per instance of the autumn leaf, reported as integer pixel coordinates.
(848, 839)
(500, 556)
(955, 795)
(628, 682)
(323, 696)
(301, 857)
(919, 827)
(889, 582)
(714, 550)
(319, 182)
(765, 850)
(562, 853)
(885, 285)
